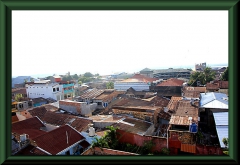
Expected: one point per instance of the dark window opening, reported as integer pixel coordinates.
(54, 89)
(57, 88)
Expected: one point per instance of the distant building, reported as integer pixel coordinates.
(200, 67)
(171, 73)
(147, 72)
(138, 82)
(44, 89)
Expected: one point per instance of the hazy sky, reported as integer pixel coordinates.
(105, 42)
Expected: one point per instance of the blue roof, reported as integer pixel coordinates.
(206, 98)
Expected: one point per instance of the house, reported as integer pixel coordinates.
(89, 95)
(212, 102)
(147, 72)
(138, 132)
(183, 127)
(67, 88)
(30, 134)
(168, 88)
(54, 119)
(138, 82)
(217, 86)
(44, 89)
(22, 92)
(171, 73)
(192, 92)
(138, 94)
(39, 101)
(77, 108)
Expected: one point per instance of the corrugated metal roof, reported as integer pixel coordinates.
(221, 121)
(222, 132)
(214, 100)
(221, 118)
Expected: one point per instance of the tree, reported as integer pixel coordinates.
(110, 85)
(203, 77)
(32, 79)
(225, 142)
(75, 76)
(225, 75)
(18, 97)
(88, 74)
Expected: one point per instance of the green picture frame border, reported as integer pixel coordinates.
(6, 7)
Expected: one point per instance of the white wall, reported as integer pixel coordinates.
(44, 90)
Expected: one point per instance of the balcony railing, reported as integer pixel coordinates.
(68, 91)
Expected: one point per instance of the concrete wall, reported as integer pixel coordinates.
(101, 124)
(77, 107)
(71, 106)
(87, 109)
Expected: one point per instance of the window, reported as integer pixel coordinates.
(20, 105)
(54, 89)
(57, 88)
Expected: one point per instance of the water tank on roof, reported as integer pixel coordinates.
(91, 130)
(23, 137)
(193, 128)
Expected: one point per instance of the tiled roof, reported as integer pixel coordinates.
(60, 119)
(199, 89)
(38, 111)
(105, 118)
(212, 86)
(171, 82)
(19, 90)
(133, 125)
(108, 96)
(91, 93)
(191, 94)
(58, 139)
(31, 150)
(14, 119)
(140, 78)
(29, 126)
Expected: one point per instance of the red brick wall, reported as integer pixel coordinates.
(74, 104)
(126, 137)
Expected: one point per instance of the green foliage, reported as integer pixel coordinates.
(75, 77)
(85, 79)
(88, 74)
(101, 142)
(203, 77)
(165, 151)
(225, 142)
(67, 78)
(18, 97)
(225, 75)
(110, 85)
(225, 152)
(146, 148)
